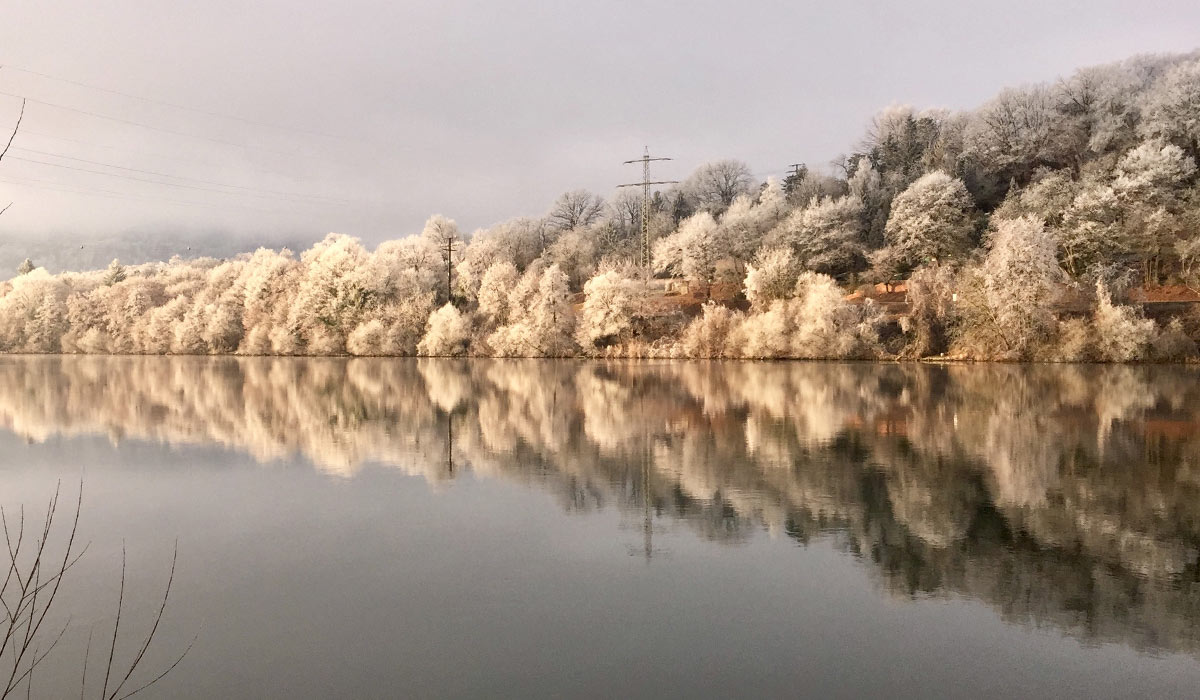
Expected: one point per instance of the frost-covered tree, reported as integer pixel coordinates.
(713, 186)
(518, 241)
(116, 273)
(902, 143)
(367, 338)
(159, 334)
(1047, 198)
(443, 234)
(331, 294)
(575, 209)
(1092, 231)
(933, 311)
(748, 220)
(45, 328)
(574, 252)
(771, 276)
(867, 185)
(1172, 108)
(703, 248)
(447, 334)
(269, 281)
(1150, 183)
(25, 267)
(1099, 107)
(1020, 279)
(692, 251)
(1016, 132)
(826, 235)
(494, 291)
(1154, 172)
(931, 220)
(609, 304)
(543, 322)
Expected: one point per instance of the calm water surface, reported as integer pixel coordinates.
(435, 528)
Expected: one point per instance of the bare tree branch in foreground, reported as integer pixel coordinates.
(29, 590)
(7, 146)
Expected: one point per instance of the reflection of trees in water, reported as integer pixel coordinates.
(1063, 495)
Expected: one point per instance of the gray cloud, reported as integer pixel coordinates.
(483, 110)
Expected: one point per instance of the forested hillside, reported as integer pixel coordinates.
(1021, 228)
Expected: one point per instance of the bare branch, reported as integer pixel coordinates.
(157, 619)
(87, 653)
(112, 650)
(14, 132)
(163, 675)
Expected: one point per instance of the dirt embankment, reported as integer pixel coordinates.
(671, 297)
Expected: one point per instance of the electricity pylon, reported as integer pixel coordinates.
(645, 160)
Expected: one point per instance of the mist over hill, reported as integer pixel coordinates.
(66, 253)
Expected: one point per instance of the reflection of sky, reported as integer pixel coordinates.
(941, 481)
(306, 586)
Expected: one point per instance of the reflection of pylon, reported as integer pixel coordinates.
(645, 185)
(647, 523)
(450, 444)
(647, 500)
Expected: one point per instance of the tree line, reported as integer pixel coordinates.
(1018, 228)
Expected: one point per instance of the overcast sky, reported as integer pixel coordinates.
(365, 117)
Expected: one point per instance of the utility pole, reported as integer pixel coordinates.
(451, 245)
(645, 160)
(447, 242)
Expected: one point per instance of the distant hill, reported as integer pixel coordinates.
(59, 253)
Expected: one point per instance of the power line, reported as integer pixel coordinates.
(186, 179)
(50, 185)
(152, 182)
(161, 156)
(151, 127)
(172, 104)
(145, 154)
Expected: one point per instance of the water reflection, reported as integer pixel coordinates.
(1059, 495)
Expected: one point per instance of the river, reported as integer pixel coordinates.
(465, 528)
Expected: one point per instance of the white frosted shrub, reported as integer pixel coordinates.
(93, 342)
(771, 276)
(366, 338)
(769, 334)
(324, 340)
(1121, 336)
(817, 322)
(257, 341)
(283, 341)
(827, 325)
(447, 333)
(1075, 341)
(608, 308)
(709, 335)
